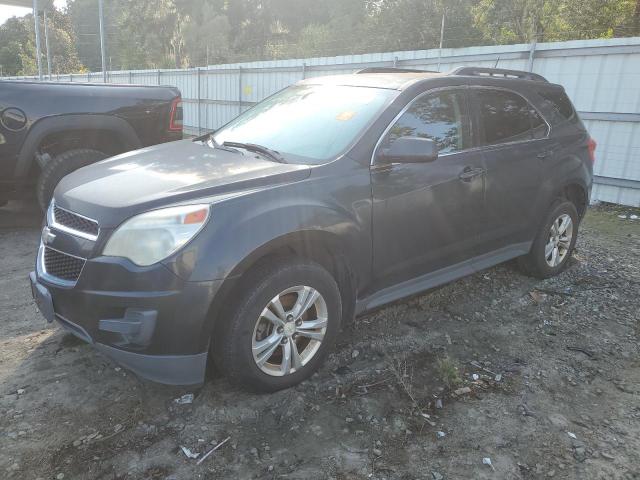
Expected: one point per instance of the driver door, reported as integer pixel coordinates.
(426, 216)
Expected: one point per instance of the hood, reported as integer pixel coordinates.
(115, 189)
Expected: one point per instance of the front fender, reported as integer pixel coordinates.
(327, 208)
(240, 236)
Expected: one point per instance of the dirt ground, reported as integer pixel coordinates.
(494, 376)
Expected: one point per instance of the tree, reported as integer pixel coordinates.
(62, 42)
(82, 15)
(143, 34)
(520, 21)
(206, 35)
(18, 50)
(332, 28)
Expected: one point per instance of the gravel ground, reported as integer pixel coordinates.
(494, 376)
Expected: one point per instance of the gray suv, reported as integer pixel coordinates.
(248, 248)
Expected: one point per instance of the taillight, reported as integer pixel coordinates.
(175, 118)
(591, 146)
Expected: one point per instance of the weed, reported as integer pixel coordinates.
(448, 372)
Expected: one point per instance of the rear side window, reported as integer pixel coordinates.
(558, 101)
(441, 117)
(507, 117)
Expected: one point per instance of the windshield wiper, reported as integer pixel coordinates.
(209, 137)
(232, 146)
(253, 147)
(205, 137)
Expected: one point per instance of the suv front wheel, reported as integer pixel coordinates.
(554, 243)
(282, 328)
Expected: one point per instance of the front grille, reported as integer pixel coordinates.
(61, 265)
(74, 222)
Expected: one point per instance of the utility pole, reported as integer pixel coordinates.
(441, 42)
(102, 43)
(46, 43)
(37, 27)
(534, 42)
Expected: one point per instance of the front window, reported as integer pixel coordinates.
(308, 123)
(439, 116)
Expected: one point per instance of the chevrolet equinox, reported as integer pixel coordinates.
(248, 247)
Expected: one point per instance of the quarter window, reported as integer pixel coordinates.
(439, 116)
(507, 117)
(557, 100)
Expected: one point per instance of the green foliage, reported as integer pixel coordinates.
(83, 19)
(179, 33)
(206, 35)
(16, 46)
(518, 21)
(448, 372)
(62, 41)
(148, 34)
(18, 50)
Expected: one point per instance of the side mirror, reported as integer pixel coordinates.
(410, 150)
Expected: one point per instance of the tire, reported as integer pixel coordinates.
(235, 341)
(60, 166)
(542, 264)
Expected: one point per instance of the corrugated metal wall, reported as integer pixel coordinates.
(602, 77)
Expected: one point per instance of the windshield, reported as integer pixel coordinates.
(308, 123)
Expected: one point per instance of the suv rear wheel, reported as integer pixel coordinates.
(282, 327)
(60, 166)
(554, 243)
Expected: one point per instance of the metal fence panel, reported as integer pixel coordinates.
(602, 77)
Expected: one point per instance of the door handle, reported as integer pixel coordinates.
(545, 154)
(470, 173)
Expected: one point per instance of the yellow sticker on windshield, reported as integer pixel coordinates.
(344, 116)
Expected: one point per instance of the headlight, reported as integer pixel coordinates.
(150, 237)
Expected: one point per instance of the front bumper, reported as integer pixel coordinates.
(145, 318)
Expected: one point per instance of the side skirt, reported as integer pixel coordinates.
(440, 277)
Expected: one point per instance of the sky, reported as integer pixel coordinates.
(8, 12)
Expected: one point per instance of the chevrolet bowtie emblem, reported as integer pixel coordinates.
(47, 236)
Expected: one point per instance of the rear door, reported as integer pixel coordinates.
(426, 215)
(514, 137)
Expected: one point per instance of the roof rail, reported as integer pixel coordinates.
(392, 70)
(498, 72)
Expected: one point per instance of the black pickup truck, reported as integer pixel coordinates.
(48, 130)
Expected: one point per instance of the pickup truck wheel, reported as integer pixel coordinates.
(554, 243)
(282, 328)
(60, 166)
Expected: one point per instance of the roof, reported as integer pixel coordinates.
(391, 81)
(393, 78)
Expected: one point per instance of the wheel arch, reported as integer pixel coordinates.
(69, 124)
(578, 194)
(321, 247)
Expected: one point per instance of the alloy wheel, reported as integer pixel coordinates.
(289, 331)
(559, 242)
